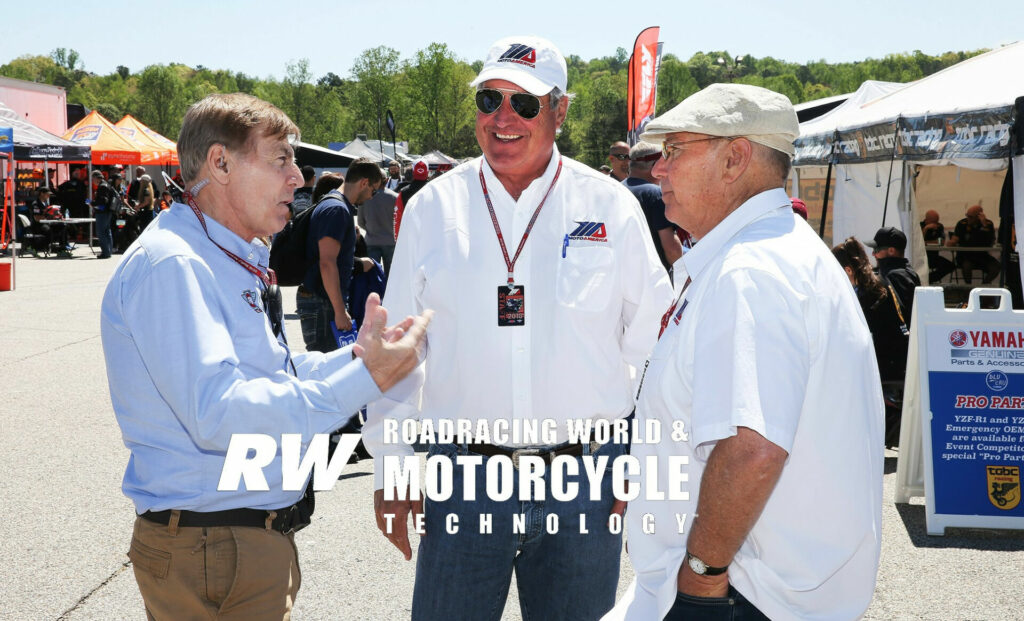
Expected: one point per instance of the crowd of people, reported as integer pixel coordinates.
(520, 286)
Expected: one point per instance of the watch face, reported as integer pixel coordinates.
(697, 565)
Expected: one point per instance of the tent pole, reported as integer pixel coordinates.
(828, 185)
(892, 158)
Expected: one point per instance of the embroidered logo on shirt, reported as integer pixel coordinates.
(589, 231)
(252, 299)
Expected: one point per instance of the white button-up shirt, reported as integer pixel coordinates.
(591, 311)
(772, 338)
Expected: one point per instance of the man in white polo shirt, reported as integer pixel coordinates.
(766, 375)
(546, 287)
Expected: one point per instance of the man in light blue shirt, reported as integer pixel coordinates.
(195, 353)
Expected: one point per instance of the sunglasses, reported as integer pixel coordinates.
(488, 100)
(668, 148)
(619, 156)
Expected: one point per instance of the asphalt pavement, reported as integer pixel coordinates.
(65, 526)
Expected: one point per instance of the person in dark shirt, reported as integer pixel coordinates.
(978, 231)
(642, 158)
(934, 234)
(330, 248)
(888, 247)
(303, 197)
(888, 326)
(103, 205)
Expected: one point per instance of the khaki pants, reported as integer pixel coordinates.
(224, 572)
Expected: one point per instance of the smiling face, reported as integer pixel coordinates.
(262, 183)
(518, 149)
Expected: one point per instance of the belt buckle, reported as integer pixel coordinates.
(516, 453)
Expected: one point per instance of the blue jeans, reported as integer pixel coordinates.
(315, 316)
(732, 607)
(562, 576)
(103, 220)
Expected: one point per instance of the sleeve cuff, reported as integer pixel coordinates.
(352, 385)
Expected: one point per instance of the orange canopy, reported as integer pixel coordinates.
(108, 145)
(131, 128)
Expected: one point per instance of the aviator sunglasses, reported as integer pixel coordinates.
(488, 100)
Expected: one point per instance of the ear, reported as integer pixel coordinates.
(563, 109)
(738, 157)
(217, 164)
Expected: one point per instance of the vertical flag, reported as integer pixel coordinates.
(642, 89)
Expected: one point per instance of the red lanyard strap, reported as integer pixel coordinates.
(268, 278)
(511, 263)
(668, 314)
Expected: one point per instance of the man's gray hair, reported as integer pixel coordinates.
(557, 95)
(642, 150)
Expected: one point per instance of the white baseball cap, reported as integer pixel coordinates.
(533, 63)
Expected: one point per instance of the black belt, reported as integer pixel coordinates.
(285, 521)
(548, 455)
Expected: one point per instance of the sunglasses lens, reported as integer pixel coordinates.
(525, 105)
(488, 101)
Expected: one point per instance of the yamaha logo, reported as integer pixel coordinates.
(957, 338)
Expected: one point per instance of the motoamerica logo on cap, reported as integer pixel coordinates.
(519, 53)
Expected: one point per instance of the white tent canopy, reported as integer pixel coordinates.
(961, 116)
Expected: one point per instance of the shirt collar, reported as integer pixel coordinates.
(254, 251)
(709, 246)
(494, 186)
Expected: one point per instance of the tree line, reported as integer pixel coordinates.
(429, 95)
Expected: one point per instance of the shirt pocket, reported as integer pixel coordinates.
(585, 278)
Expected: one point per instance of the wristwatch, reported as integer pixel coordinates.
(701, 568)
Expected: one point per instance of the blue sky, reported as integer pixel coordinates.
(260, 37)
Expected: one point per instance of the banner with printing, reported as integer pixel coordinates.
(642, 82)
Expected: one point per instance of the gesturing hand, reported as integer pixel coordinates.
(389, 353)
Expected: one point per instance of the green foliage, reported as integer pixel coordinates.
(430, 97)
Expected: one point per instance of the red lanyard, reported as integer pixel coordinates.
(672, 309)
(268, 278)
(511, 264)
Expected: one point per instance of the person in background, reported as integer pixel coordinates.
(642, 158)
(394, 177)
(323, 294)
(420, 176)
(376, 217)
(104, 203)
(934, 234)
(975, 230)
(303, 198)
(799, 207)
(889, 329)
(888, 247)
(145, 200)
(605, 169)
(618, 160)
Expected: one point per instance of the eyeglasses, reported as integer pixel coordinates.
(488, 100)
(668, 148)
(619, 156)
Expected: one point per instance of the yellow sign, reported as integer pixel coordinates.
(1003, 486)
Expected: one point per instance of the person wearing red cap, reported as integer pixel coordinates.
(420, 175)
(799, 207)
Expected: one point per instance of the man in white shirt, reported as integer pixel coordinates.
(546, 288)
(764, 379)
